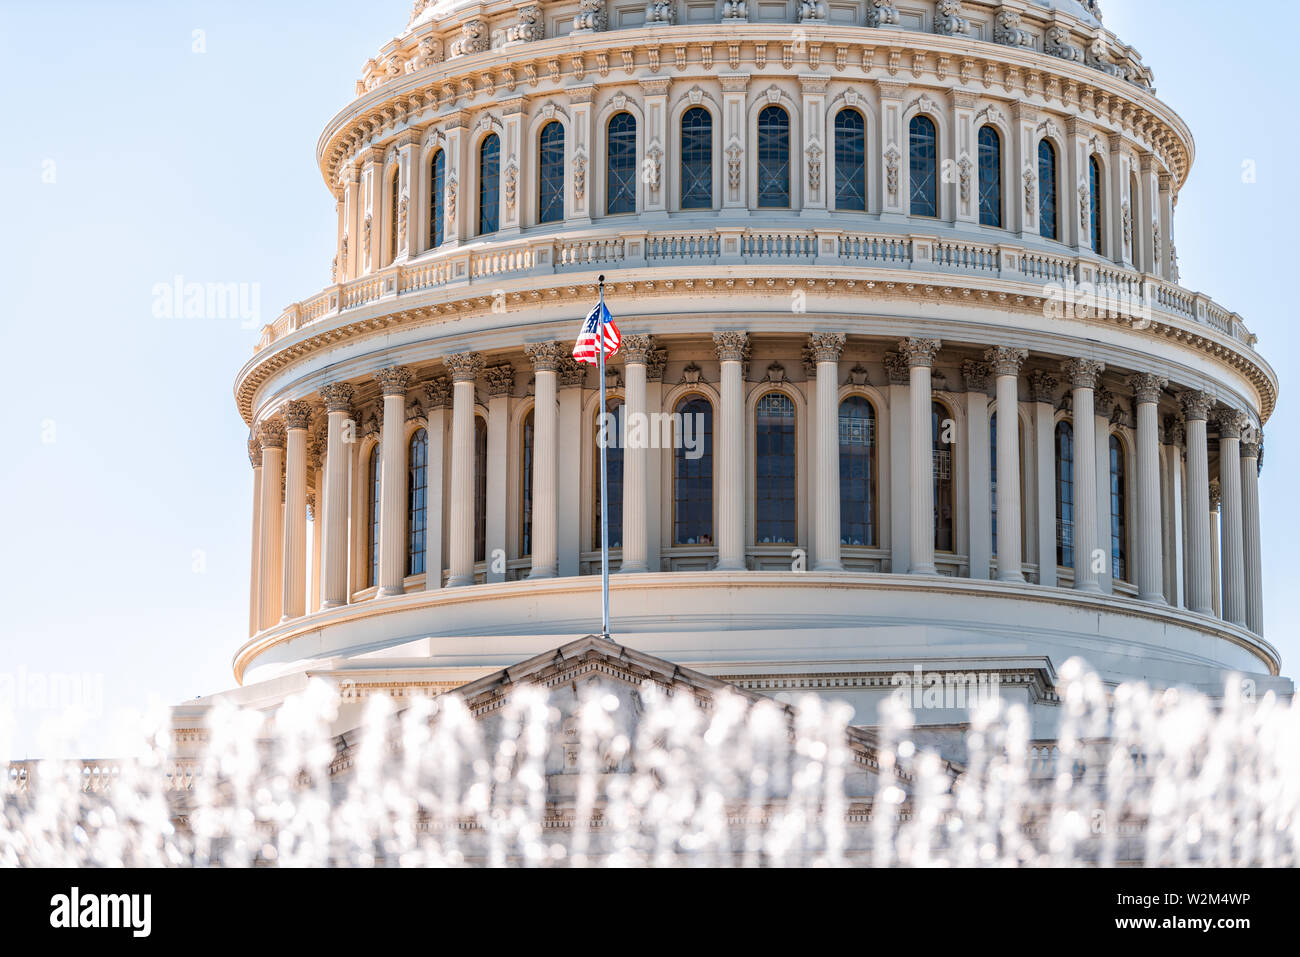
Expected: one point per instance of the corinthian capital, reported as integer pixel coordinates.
(464, 366)
(976, 375)
(1082, 373)
(545, 356)
(1196, 405)
(919, 352)
(731, 346)
(636, 349)
(254, 452)
(1042, 386)
(271, 433)
(500, 378)
(297, 415)
(438, 392)
(572, 372)
(826, 346)
(394, 380)
(337, 396)
(896, 368)
(1230, 422)
(1004, 360)
(1147, 387)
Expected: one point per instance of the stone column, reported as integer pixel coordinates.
(438, 392)
(978, 378)
(271, 562)
(826, 348)
(545, 357)
(1231, 422)
(500, 384)
(1042, 391)
(350, 243)
(313, 520)
(1082, 375)
(464, 368)
(1103, 406)
(1005, 363)
(372, 213)
(393, 382)
(1216, 582)
(255, 458)
(297, 416)
(920, 354)
(730, 438)
(1196, 406)
(900, 464)
(338, 406)
(636, 353)
(1171, 508)
(656, 362)
(1250, 450)
(1150, 577)
(573, 377)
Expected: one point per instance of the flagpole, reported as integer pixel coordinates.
(604, 511)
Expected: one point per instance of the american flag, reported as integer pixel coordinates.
(584, 350)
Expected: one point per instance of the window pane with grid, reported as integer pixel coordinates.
(943, 473)
(693, 477)
(857, 428)
(480, 490)
(1118, 506)
(526, 487)
(437, 185)
(1094, 201)
(1065, 495)
(372, 544)
(1047, 226)
(773, 158)
(924, 166)
(990, 177)
(850, 160)
(697, 159)
(489, 184)
(620, 165)
(774, 465)
(614, 472)
(550, 173)
(993, 477)
(417, 486)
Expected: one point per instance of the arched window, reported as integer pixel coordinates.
(857, 472)
(550, 173)
(489, 184)
(372, 518)
(1094, 202)
(993, 477)
(620, 165)
(437, 187)
(526, 486)
(1118, 511)
(942, 444)
(393, 199)
(697, 159)
(612, 435)
(1065, 495)
(924, 166)
(774, 469)
(850, 160)
(990, 146)
(1047, 222)
(693, 473)
(417, 487)
(480, 489)
(773, 158)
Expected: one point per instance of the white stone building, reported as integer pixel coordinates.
(850, 236)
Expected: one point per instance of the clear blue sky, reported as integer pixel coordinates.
(169, 162)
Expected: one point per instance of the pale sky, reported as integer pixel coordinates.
(133, 159)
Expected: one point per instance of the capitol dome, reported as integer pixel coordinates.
(901, 278)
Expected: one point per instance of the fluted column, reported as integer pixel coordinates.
(1042, 392)
(437, 392)
(1231, 422)
(1216, 581)
(393, 382)
(1147, 389)
(920, 354)
(545, 357)
(297, 416)
(338, 406)
(463, 368)
(270, 565)
(1250, 449)
(1082, 375)
(255, 458)
(731, 348)
(1005, 363)
(826, 348)
(636, 354)
(1196, 406)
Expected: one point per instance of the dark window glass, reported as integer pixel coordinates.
(620, 165)
(990, 177)
(857, 472)
(614, 473)
(1047, 224)
(417, 487)
(993, 476)
(393, 200)
(693, 477)
(1118, 511)
(489, 184)
(480, 489)
(372, 543)
(526, 487)
(550, 173)
(1094, 202)
(437, 187)
(943, 474)
(850, 160)
(774, 469)
(697, 159)
(1065, 495)
(924, 167)
(773, 158)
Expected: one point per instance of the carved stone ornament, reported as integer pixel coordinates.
(1007, 30)
(1126, 218)
(337, 396)
(1042, 386)
(365, 239)
(660, 11)
(451, 199)
(692, 374)
(896, 368)
(656, 362)
(734, 156)
(654, 162)
(254, 451)
(1196, 404)
(1004, 360)
(271, 433)
(775, 373)
(948, 20)
(528, 25)
(500, 379)
(572, 372)
(964, 167)
(438, 391)
(579, 176)
(812, 11)
(512, 185)
(814, 168)
(976, 375)
(1230, 422)
(735, 10)
(401, 220)
(882, 13)
(414, 410)
(892, 157)
(636, 348)
(394, 380)
(464, 366)
(591, 16)
(858, 375)
(474, 38)
(1031, 182)
(1057, 43)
